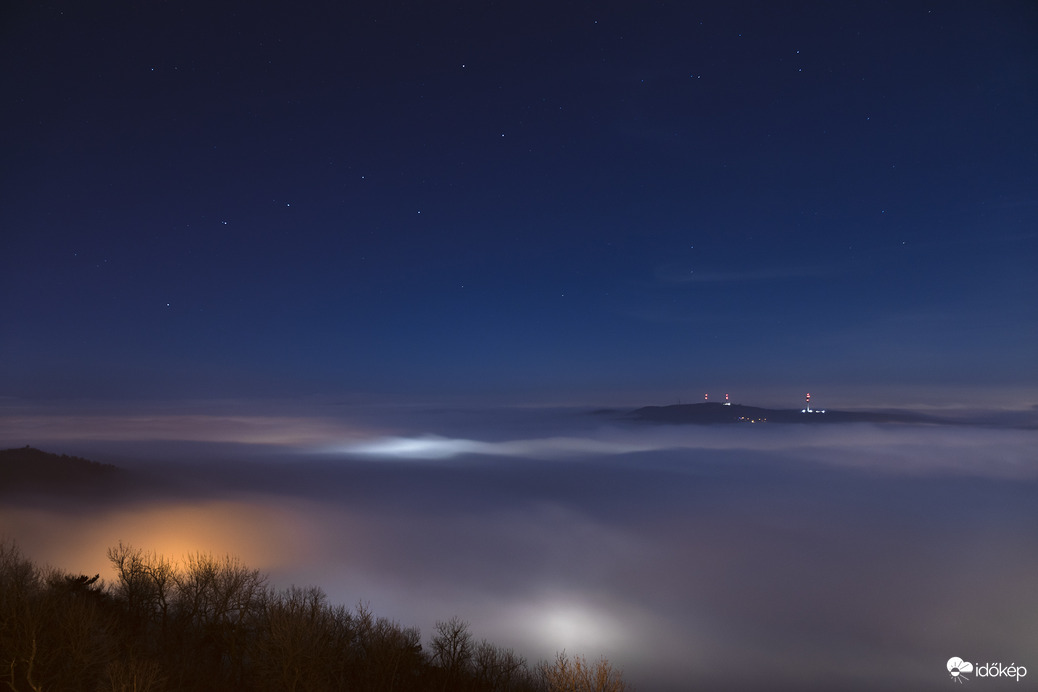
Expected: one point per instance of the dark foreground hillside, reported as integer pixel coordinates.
(210, 623)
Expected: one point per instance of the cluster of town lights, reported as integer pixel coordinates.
(807, 408)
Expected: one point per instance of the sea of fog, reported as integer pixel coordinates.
(739, 557)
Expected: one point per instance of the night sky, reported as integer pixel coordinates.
(520, 202)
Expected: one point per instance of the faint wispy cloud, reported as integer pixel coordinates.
(892, 449)
(245, 429)
(683, 274)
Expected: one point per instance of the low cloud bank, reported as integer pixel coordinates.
(728, 558)
(908, 449)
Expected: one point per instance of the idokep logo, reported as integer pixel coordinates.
(957, 669)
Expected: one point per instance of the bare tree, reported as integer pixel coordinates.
(133, 675)
(566, 674)
(146, 586)
(21, 586)
(215, 599)
(294, 649)
(498, 669)
(389, 657)
(54, 631)
(451, 649)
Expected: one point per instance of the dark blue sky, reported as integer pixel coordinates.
(519, 202)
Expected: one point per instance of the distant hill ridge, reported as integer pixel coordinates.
(28, 466)
(716, 412)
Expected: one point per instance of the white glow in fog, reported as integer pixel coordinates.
(569, 624)
(427, 447)
(436, 447)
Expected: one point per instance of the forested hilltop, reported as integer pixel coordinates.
(28, 469)
(208, 623)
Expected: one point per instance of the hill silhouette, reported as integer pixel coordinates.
(716, 412)
(28, 468)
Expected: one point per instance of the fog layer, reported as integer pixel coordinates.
(727, 557)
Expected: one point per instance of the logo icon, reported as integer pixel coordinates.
(956, 668)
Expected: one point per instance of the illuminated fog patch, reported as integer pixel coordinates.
(911, 450)
(571, 625)
(427, 447)
(262, 534)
